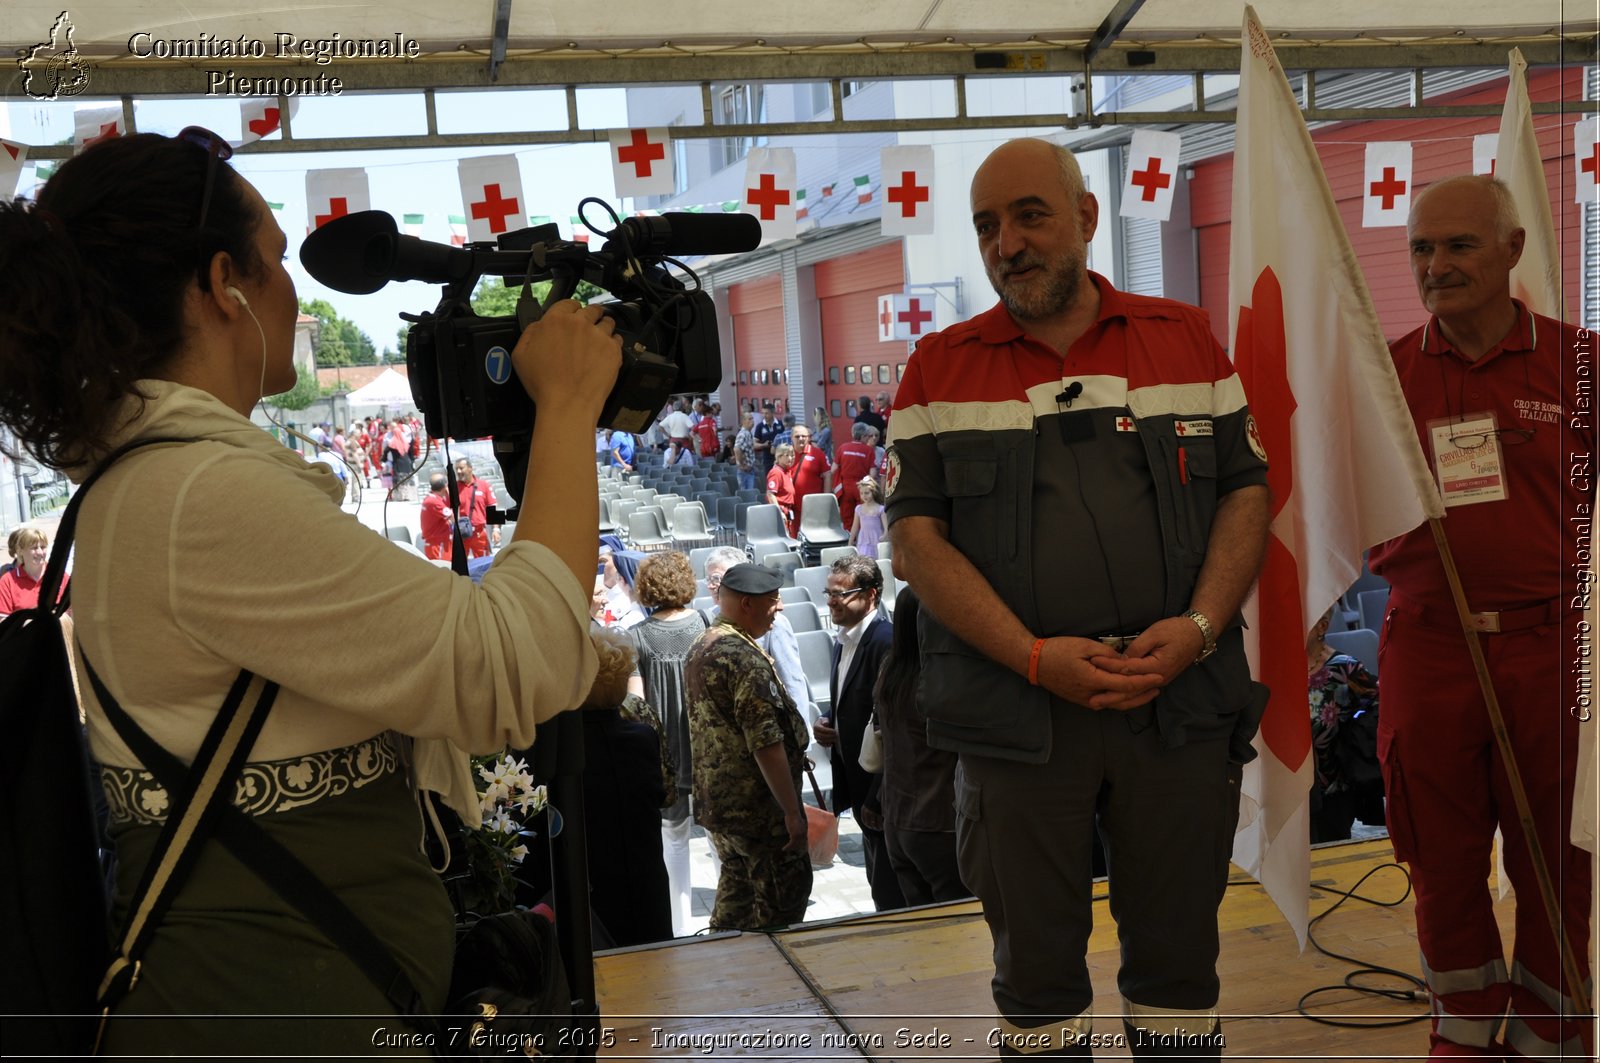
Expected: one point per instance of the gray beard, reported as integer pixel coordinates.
(1057, 292)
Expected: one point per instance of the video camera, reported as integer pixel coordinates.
(459, 363)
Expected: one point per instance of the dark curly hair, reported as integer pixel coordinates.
(96, 271)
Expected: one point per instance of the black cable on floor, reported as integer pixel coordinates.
(1417, 989)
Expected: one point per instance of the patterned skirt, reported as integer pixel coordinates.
(233, 969)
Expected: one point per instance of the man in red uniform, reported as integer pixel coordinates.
(811, 467)
(474, 497)
(857, 458)
(436, 519)
(1491, 389)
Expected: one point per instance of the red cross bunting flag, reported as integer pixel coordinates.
(262, 118)
(1314, 365)
(1386, 187)
(1152, 177)
(91, 125)
(641, 162)
(769, 188)
(491, 188)
(908, 190)
(1485, 146)
(332, 194)
(1586, 150)
(12, 156)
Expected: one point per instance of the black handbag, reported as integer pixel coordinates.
(509, 989)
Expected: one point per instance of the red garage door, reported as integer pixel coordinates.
(854, 362)
(759, 351)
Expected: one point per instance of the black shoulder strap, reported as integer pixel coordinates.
(55, 571)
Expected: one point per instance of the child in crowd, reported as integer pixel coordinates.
(866, 529)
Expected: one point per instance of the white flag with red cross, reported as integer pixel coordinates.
(641, 162)
(908, 190)
(1536, 278)
(91, 125)
(769, 188)
(1485, 149)
(332, 194)
(1386, 186)
(12, 156)
(262, 118)
(1315, 367)
(491, 188)
(1152, 176)
(1586, 151)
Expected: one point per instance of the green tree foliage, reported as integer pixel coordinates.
(339, 342)
(303, 394)
(491, 298)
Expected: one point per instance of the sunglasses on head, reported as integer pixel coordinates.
(217, 149)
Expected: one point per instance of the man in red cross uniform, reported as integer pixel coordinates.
(1491, 388)
(474, 499)
(857, 458)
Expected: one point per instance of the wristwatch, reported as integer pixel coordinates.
(1209, 637)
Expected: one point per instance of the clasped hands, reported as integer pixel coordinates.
(1090, 673)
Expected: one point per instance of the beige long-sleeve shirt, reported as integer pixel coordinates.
(193, 561)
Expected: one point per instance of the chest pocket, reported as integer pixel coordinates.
(1194, 464)
(971, 474)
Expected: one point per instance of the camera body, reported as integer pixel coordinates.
(459, 363)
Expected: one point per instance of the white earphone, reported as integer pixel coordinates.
(238, 296)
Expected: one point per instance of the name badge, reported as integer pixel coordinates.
(1467, 459)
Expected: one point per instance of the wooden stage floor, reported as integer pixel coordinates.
(915, 984)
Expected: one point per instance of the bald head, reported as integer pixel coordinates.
(1033, 155)
(1488, 194)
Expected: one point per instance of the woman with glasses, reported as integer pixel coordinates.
(146, 296)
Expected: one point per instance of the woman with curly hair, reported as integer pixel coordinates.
(663, 641)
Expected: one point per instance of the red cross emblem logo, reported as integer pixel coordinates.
(1388, 189)
(891, 472)
(641, 151)
(107, 131)
(1591, 164)
(495, 208)
(1125, 424)
(908, 194)
(767, 197)
(915, 316)
(266, 123)
(1182, 428)
(338, 207)
(1151, 180)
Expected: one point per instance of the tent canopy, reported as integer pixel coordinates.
(389, 389)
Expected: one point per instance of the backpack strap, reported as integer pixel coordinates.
(273, 863)
(200, 793)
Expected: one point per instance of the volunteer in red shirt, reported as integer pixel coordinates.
(780, 487)
(811, 466)
(437, 518)
(473, 499)
(19, 584)
(857, 459)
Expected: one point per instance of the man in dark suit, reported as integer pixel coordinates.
(855, 586)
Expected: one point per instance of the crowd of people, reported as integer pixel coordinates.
(1069, 660)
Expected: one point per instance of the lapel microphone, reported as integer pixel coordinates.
(1075, 427)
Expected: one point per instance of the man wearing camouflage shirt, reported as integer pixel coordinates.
(749, 749)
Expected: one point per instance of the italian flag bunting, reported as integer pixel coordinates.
(458, 229)
(800, 211)
(863, 189)
(413, 224)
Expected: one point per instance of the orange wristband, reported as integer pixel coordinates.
(1033, 662)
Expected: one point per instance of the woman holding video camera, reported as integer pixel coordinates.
(146, 296)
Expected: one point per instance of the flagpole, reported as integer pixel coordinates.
(1519, 793)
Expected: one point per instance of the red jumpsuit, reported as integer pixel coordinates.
(1443, 773)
